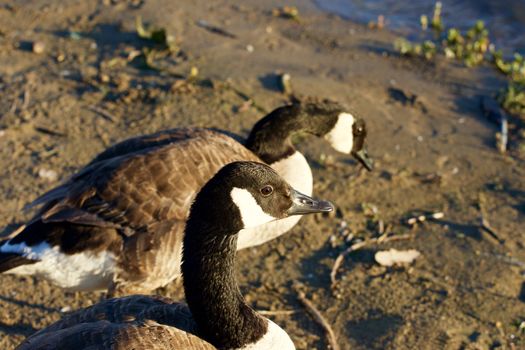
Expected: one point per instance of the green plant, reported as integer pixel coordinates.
(473, 48)
(512, 98)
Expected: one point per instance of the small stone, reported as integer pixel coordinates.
(61, 57)
(49, 175)
(38, 47)
(104, 78)
(396, 257)
(250, 48)
(65, 309)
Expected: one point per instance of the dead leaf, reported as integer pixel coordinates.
(395, 257)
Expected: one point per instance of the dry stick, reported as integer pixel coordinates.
(277, 312)
(312, 310)
(356, 246)
(214, 29)
(504, 133)
(487, 227)
(105, 114)
(27, 95)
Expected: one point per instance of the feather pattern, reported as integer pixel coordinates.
(131, 201)
(134, 322)
(137, 193)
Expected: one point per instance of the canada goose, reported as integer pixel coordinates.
(240, 195)
(117, 224)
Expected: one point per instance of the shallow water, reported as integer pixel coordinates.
(505, 19)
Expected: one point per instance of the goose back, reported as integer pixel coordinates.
(134, 322)
(133, 199)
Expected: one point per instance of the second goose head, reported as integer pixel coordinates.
(270, 138)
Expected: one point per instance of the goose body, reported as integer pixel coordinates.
(216, 317)
(118, 223)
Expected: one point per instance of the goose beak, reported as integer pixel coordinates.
(303, 204)
(363, 158)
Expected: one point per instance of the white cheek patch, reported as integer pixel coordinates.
(251, 212)
(341, 137)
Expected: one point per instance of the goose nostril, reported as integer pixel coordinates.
(306, 201)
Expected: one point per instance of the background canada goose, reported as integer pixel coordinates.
(240, 195)
(118, 222)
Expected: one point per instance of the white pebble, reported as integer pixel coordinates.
(49, 175)
(396, 257)
(65, 309)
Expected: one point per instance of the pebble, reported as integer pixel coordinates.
(65, 309)
(39, 47)
(250, 48)
(49, 175)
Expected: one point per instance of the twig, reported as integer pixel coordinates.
(381, 227)
(356, 246)
(485, 225)
(277, 312)
(105, 114)
(214, 29)
(314, 312)
(27, 95)
(49, 132)
(504, 133)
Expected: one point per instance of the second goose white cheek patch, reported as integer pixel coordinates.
(341, 137)
(251, 212)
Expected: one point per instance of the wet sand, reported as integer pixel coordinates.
(465, 291)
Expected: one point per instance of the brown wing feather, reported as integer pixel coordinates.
(135, 322)
(124, 148)
(150, 185)
(145, 196)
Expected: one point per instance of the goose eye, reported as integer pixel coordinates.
(359, 130)
(267, 190)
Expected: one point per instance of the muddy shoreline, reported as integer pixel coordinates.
(62, 106)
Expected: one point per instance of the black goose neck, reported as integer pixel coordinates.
(270, 138)
(208, 268)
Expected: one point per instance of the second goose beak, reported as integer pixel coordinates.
(363, 158)
(303, 204)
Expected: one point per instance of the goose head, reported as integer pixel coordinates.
(270, 137)
(252, 194)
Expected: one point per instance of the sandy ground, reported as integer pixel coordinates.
(467, 289)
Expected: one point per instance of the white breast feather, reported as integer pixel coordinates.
(275, 338)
